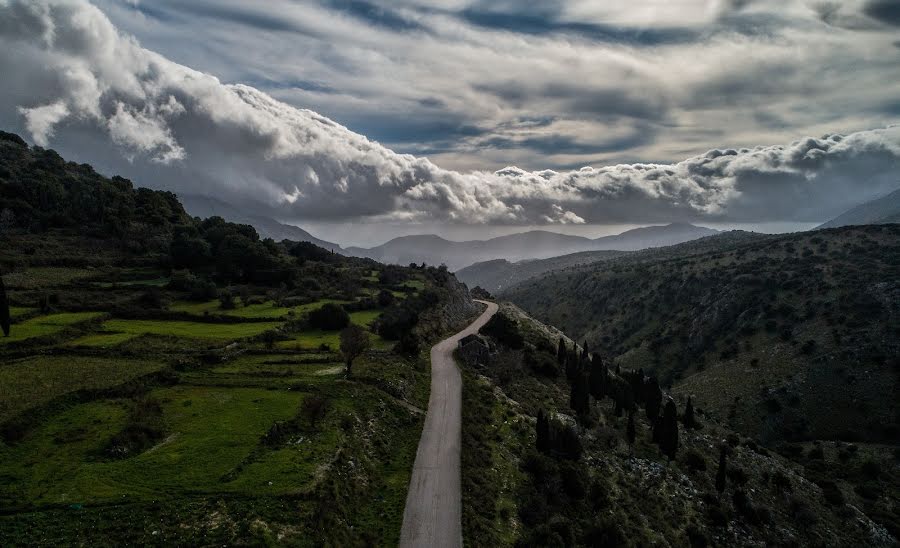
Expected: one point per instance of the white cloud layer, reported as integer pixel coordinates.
(92, 91)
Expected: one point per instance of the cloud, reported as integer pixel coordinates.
(98, 95)
(40, 120)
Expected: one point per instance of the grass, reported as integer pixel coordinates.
(210, 433)
(267, 309)
(154, 282)
(43, 277)
(18, 311)
(29, 383)
(47, 325)
(102, 340)
(312, 340)
(189, 330)
(364, 318)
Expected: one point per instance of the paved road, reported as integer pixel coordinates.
(433, 515)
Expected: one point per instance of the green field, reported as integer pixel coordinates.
(47, 325)
(31, 382)
(260, 310)
(188, 330)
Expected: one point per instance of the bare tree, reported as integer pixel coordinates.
(354, 341)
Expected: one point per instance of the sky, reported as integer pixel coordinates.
(471, 116)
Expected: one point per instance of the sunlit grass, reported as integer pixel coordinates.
(191, 330)
(47, 325)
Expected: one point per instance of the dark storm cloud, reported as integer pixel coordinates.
(886, 11)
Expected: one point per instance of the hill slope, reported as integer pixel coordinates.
(583, 483)
(881, 211)
(535, 244)
(500, 274)
(784, 337)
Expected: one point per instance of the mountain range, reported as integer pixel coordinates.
(879, 211)
(535, 244)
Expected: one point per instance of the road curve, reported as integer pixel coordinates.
(433, 514)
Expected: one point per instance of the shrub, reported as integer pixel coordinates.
(330, 317)
(695, 460)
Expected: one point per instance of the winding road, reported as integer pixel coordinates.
(433, 514)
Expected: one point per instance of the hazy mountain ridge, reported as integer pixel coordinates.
(499, 274)
(535, 244)
(879, 211)
(205, 206)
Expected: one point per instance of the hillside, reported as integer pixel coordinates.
(786, 337)
(499, 274)
(535, 244)
(542, 469)
(884, 210)
(171, 381)
(205, 206)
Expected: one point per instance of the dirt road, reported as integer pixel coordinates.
(433, 505)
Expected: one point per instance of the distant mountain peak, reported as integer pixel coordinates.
(878, 211)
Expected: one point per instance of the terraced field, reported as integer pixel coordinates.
(102, 416)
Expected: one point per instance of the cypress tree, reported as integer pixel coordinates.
(630, 432)
(652, 399)
(597, 377)
(543, 432)
(618, 370)
(580, 395)
(4, 309)
(628, 398)
(561, 351)
(723, 469)
(585, 357)
(689, 421)
(668, 435)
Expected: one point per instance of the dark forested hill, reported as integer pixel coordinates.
(787, 336)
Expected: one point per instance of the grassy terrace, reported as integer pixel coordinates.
(237, 425)
(43, 326)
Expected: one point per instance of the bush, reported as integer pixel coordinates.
(329, 317)
(694, 460)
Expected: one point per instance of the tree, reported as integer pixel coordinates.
(689, 421)
(313, 409)
(630, 432)
(561, 352)
(599, 377)
(4, 309)
(354, 341)
(580, 395)
(652, 399)
(668, 434)
(722, 471)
